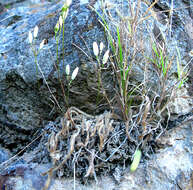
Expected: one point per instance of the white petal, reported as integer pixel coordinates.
(35, 31)
(60, 21)
(68, 2)
(42, 44)
(101, 46)
(30, 37)
(105, 57)
(74, 74)
(68, 69)
(95, 49)
(65, 14)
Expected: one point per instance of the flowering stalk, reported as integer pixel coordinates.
(58, 29)
(97, 53)
(35, 52)
(64, 14)
(70, 79)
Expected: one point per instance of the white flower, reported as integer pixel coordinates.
(65, 14)
(60, 21)
(35, 31)
(101, 47)
(30, 37)
(74, 74)
(68, 2)
(42, 44)
(105, 57)
(95, 49)
(68, 69)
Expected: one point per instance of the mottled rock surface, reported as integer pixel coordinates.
(26, 105)
(24, 98)
(4, 155)
(170, 168)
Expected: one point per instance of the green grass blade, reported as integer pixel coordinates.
(120, 48)
(106, 27)
(155, 50)
(129, 27)
(178, 62)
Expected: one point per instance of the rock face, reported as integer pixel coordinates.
(26, 104)
(170, 168)
(4, 155)
(24, 99)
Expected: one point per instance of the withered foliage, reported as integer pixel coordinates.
(84, 145)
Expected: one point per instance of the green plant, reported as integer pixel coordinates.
(140, 103)
(8, 6)
(70, 79)
(159, 60)
(148, 99)
(58, 29)
(182, 75)
(101, 65)
(118, 42)
(64, 14)
(31, 38)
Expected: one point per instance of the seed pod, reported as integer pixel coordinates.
(56, 28)
(136, 160)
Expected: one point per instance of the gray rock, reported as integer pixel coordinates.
(4, 2)
(24, 97)
(25, 102)
(4, 155)
(170, 168)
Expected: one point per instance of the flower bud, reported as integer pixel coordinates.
(68, 2)
(95, 49)
(30, 37)
(60, 21)
(35, 31)
(105, 57)
(56, 28)
(68, 69)
(74, 74)
(101, 47)
(42, 44)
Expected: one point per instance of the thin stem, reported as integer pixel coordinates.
(63, 43)
(48, 86)
(57, 41)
